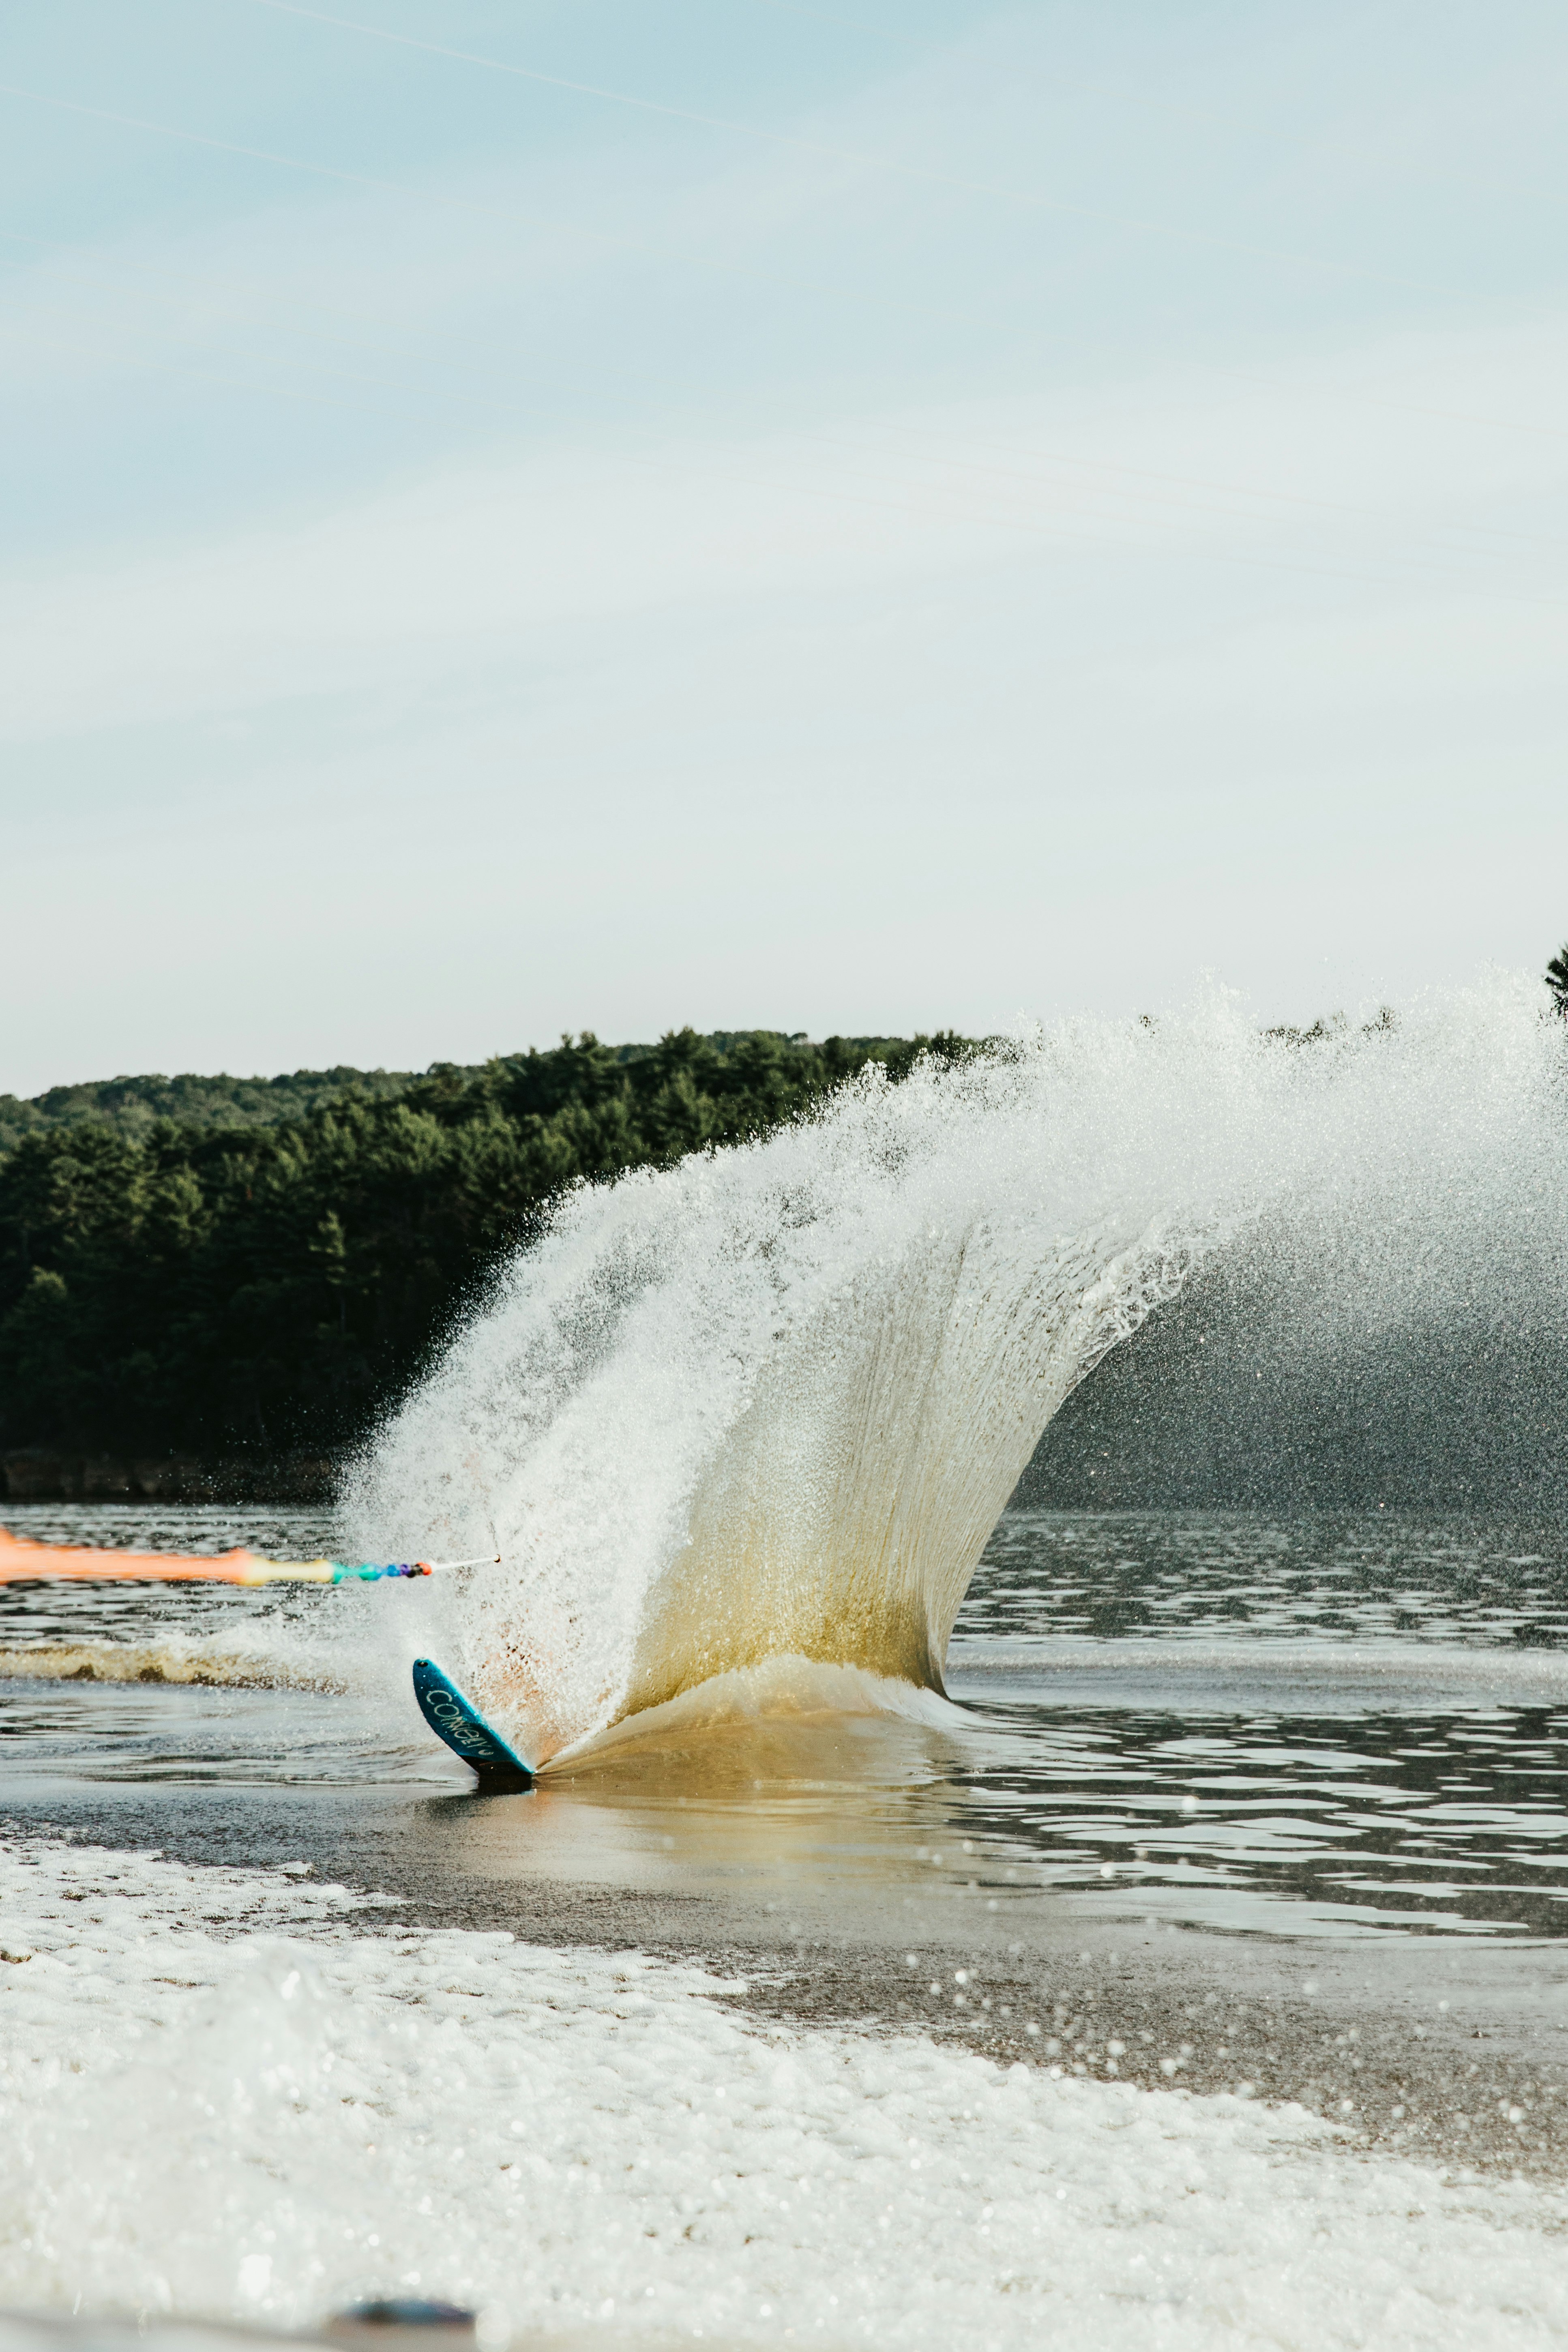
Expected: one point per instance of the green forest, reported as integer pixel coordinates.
(213, 1265)
(135, 1105)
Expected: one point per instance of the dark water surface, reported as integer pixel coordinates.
(1340, 1727)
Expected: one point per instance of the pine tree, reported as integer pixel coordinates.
(1557, 980)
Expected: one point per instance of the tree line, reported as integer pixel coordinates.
(212, 1282)
(135, 1105)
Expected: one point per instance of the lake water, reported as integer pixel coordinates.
(1345, 1727)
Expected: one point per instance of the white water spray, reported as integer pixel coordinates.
(769, 1402)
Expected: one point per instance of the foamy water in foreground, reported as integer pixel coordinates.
(233, 2093)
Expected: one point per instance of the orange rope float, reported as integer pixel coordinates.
(21, 1560)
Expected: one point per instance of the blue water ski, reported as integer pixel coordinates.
(457, 1721)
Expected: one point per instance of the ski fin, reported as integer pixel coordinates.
(457, 1720)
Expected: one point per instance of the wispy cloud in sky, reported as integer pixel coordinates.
(1006, 511)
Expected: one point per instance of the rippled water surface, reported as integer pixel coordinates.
(1340, 1727)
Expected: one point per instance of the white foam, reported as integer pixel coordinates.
(204, 1661)
(228, 2093)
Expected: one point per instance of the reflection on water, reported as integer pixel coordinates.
(153, 1731)
(1335, 1728)
(1182, 1576)
(1340, 1824)
(780, 1804)
(194, 1528)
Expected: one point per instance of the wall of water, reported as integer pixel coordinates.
(772, 1402)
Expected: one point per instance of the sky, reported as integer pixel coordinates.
(558, 515)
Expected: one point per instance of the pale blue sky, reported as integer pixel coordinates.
(1011, 509)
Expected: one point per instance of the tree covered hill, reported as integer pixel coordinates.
(135, 1105)
(197, 1265)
